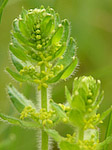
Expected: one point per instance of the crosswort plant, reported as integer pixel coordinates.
(43, 53)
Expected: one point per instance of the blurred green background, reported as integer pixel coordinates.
(91, 26)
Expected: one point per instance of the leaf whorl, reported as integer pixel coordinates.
(40, 38)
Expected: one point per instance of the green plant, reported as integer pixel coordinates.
(43, 53)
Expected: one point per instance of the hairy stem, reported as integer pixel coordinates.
(44, 144)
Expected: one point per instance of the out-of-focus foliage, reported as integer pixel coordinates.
(91, 23)
(2, 5)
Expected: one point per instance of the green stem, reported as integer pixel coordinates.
(44, 143)
(44, 97)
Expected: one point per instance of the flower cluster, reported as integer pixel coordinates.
(43, 117)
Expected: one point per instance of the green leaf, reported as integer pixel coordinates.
(57, 20)
(24, 48)
(18, 52)
(64, 145)
(2, 5)
(75, 84)
(15, 25)
(78, 103)
(29, 124)
(106, 142)
(99, 100)
(66, 32)
(104, 114)
(81, 91)
(44, 22)
(69, 54)
(18, 100)
(56, 16)
(23, 28)
(58, 35)
(76, 117)
(58, 109)
(69, 58)
(70, 69)
(11, 120)
(58, 76)
(49, 27)
(97, 91)
(19, 122)
(68, 95)
(29, 22)
(22, 40)
(17, 63)
(54, 134)
(109, 130)
(60, 51)
(24, 13)
(17, 76)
